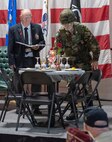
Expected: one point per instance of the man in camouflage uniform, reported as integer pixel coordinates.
(74, 40)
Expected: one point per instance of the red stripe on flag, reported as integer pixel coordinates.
(90, 15)
(3, 16)
(36, 15)
(104, 41)
(106, 70)
(55, 14)
(2, 41)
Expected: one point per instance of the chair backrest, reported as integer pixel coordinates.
(37, 78)
(8, 81)
(95, 80)
(77, 87)
(83, 81)
(96, 75)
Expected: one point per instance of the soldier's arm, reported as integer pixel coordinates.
(92, 44)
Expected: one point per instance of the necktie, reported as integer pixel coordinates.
(26, 35)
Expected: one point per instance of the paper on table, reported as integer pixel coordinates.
(27, 45)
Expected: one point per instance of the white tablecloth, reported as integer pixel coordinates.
(56, 76)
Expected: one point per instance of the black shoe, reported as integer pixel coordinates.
(71, 116)
(17, 111)
(37, 111)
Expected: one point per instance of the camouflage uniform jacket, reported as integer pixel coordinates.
(78, 46)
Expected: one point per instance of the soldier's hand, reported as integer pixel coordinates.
(94, 65)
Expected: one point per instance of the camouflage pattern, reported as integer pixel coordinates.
(77, 46)
(67, 16)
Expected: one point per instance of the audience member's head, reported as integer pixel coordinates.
(95, 121)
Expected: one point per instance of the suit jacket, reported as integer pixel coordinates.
(16, 52)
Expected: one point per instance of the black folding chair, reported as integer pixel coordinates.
(10, 96)
(95, 81)
(38, 78)
(76, 93)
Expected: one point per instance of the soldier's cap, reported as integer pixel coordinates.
(67, 16)
(93, 114)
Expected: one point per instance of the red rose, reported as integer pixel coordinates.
(59, 45)
(51, 48)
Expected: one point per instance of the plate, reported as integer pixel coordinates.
(77, 69)
(30, 69)
(50, 70)
(27, 69)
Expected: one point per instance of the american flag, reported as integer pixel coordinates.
(95, 15)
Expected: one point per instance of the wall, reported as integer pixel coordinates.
(105, 87)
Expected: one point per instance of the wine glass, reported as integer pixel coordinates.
(67, 64)
(62, 66)
(37, 65)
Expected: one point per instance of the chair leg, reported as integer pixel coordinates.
(75, 111)
(60, 114)
(66, 108)
(51, 113)
(30, 116)
(4, 110)
(98, 98)
(19, 115)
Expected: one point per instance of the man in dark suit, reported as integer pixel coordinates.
(21, 56)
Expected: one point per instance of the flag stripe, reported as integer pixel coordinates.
(3, 16)
(105, 57)
(2, 41)
(99, 28)
(3, 4)
(104, 41)
(98, 14)
(55, 13)
(31, 4)
(59, 4)
(3, 30)
(106, 68)
(93, 3)
(95, 28)
(35, 18)
(86, 14)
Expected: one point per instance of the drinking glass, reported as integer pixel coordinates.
(37, 65)
(62, 66)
